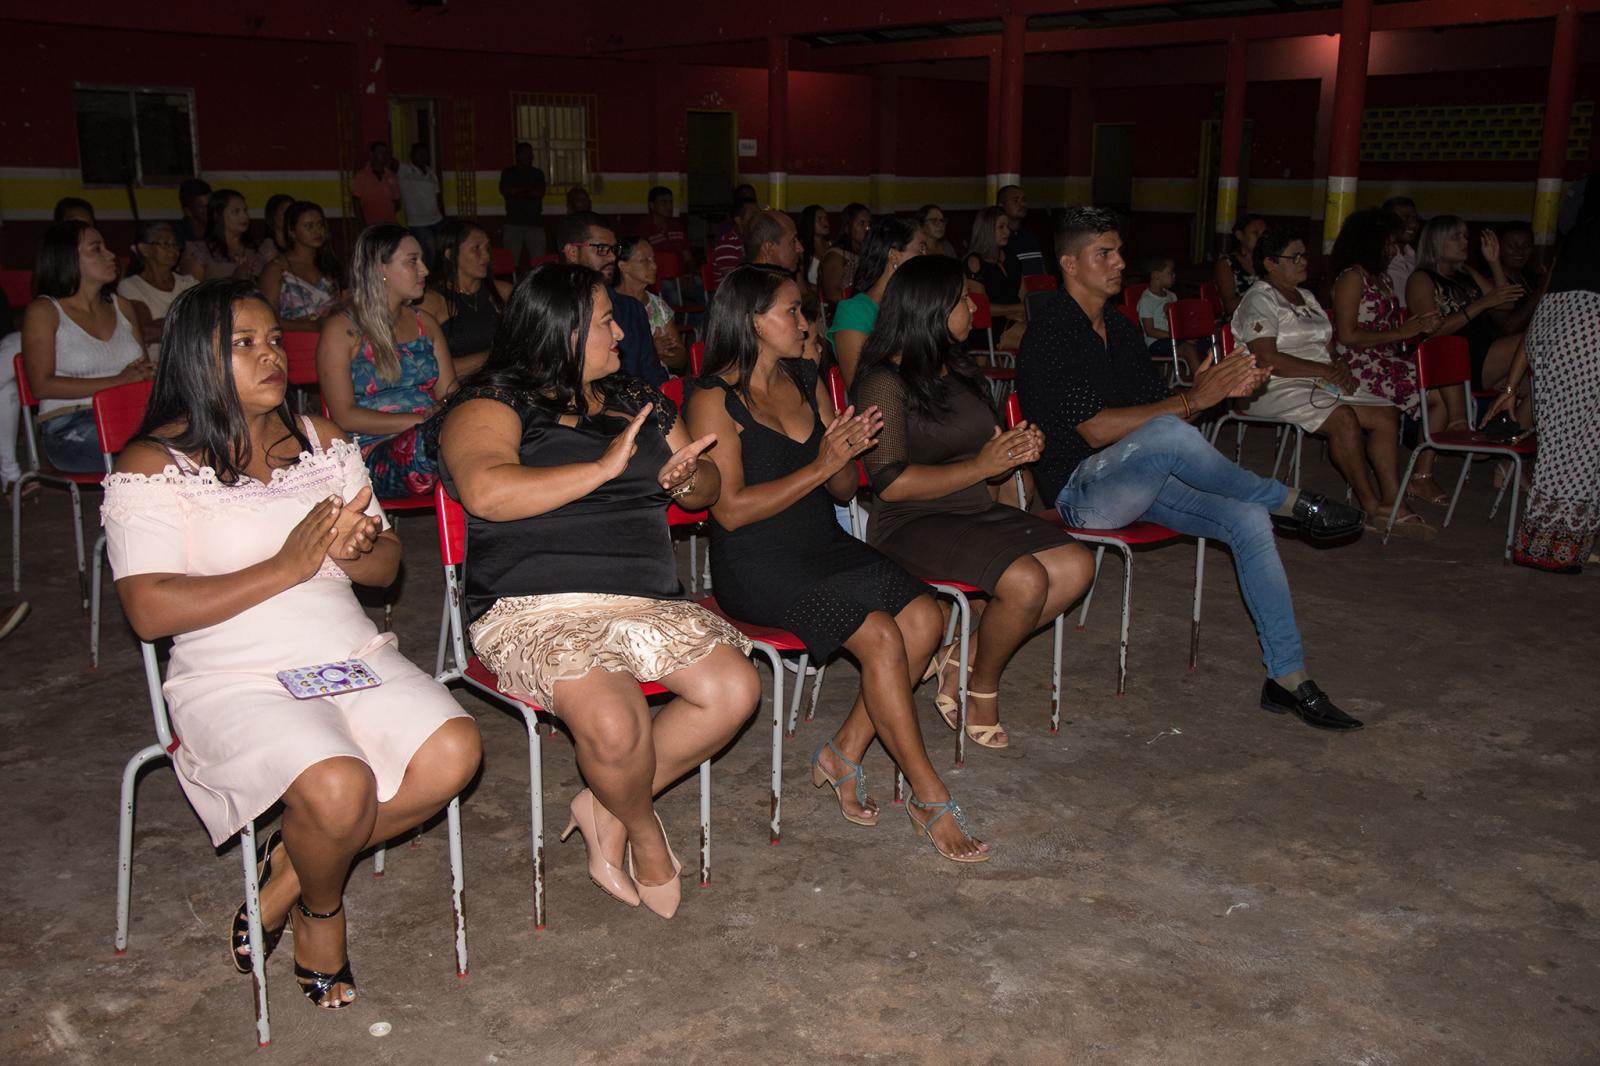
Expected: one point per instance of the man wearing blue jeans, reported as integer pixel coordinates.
(1119, 448)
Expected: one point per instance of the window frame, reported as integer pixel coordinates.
(139, 181)
(590, 102)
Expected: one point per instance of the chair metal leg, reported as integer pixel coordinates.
(16, 531)
(94, 602)
(378, 859)
(776, 807)
(1058, 629)
(1083, 612)
(536, 791)
(130, 776)
(1511, 517)
(77, 534)
(1238, 441)
(1199, 587)
(1405, 479)
(694, 564)
(1466, 468)
(1281, 438)
(1299, 445)
(444, 635)
(816, 691)
(1127, 606)
(458, 883)
(252, 907)
(705, 824)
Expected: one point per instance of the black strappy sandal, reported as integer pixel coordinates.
(318, 986)
(239, 938)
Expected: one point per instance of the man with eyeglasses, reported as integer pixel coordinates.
(588, 241)
(1120, 448)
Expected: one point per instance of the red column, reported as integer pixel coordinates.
(1349, 97)
(1557, 120)
(777, 120)
(1012, 45)
(993, 140)
(1233, 90)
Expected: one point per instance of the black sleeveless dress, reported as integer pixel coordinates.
(470, 328)
(798, 569)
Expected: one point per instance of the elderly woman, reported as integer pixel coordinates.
(636, 272)
(779, 558)
(462, 296)
(226, 250)
(237, 529)
(303, 282)
(1288, 332)
(931, 220)
(152, 281)
(384, 366)
(565, 468)
(78, 337)
(935, 472)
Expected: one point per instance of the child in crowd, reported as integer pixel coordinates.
(1153, 302)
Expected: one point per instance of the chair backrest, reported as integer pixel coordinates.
(836, 390)
(1209, 293)
(1189, 319)
(18, 287)
(301, 348)
(544, 260)
(1443, 361)
(1035, 301)
(1038, 283)
(452, 522)
(24, 390)
(503, 262)
(1131, 314)
(981, 318)
(118, 411)
(1225, 337)
(669, 266)
(1013, 410)
(1131, 293)
(697, 357)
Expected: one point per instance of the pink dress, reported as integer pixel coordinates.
(242, 739)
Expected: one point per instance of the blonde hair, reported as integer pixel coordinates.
(984, 243)
(369, 295)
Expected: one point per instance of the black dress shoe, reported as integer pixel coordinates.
(1308, 703)
(1323, 518)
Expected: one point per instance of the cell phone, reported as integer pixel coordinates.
(328, 679)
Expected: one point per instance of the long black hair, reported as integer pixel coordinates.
(1363, 239)
(55, 269)
(216, 236)
(540, 340)
(194, 383)
(327, 262)
(841, 237)
(890, 233)
(446, 265)
(731, 341)
(914, 323)
(278, 235)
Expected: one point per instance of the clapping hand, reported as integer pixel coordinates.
(355, 532)
(617, 454)
(848, 436)
(684, 462)
(1017, 446)
(1236, 375)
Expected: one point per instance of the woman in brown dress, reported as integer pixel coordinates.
(937, 473)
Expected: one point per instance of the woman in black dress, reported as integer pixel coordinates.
(939, 459)
(565, 468)
(462, 295)
(779, 557)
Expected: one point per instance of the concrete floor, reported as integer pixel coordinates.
(1178, 877)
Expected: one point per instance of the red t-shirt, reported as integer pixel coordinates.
(727, 253)
(665, 237)
(377, 195)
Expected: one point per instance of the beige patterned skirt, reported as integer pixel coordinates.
(532, 642)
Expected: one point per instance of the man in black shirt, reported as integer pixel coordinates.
(1023, 256)
(1119, 448)
(522, 186)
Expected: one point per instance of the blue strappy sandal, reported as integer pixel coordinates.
(951, 808)
(819, 777)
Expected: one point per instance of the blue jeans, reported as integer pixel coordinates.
(71, 443)
(1166, 472)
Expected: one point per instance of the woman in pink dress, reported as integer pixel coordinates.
(237, 530)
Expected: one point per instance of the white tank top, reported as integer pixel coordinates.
(78, 355)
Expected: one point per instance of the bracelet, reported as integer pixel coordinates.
(684, 489)
(1188, 411)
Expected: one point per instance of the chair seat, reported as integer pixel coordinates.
(1132, 533)
(677, 516)
(1477, 441)
(778, 639)
(46, 470)
(959, 586)
(408, 503)
(1000, 373)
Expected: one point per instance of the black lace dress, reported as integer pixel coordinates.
(798, 570)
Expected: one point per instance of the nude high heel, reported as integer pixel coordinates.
(663, 898)
(601, 872)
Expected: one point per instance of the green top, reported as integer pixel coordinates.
(859, 312)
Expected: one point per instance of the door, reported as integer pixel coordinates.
(413, 120)
(713, 160)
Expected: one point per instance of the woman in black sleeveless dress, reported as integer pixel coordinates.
(779, 557)
(935, 470)
(462, 295)
(565, 469)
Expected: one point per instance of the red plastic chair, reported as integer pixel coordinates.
(1209, 293)
(1131, 293)
(1443, 362)
(118, 412)
(1188, 320)
(1038, 283)
(669, 270)
(301, 348)
(37, 470)
(1131, 314)
(697, 357)
(1123, 541)
(502, 262)
(17, 286)
(984, 320)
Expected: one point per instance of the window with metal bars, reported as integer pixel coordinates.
(134, 136)
(562, 130)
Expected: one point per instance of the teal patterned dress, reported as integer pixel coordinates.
(400, 465)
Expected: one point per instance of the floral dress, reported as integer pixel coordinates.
(400, 465)
(300, 300)
(1385, 369)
